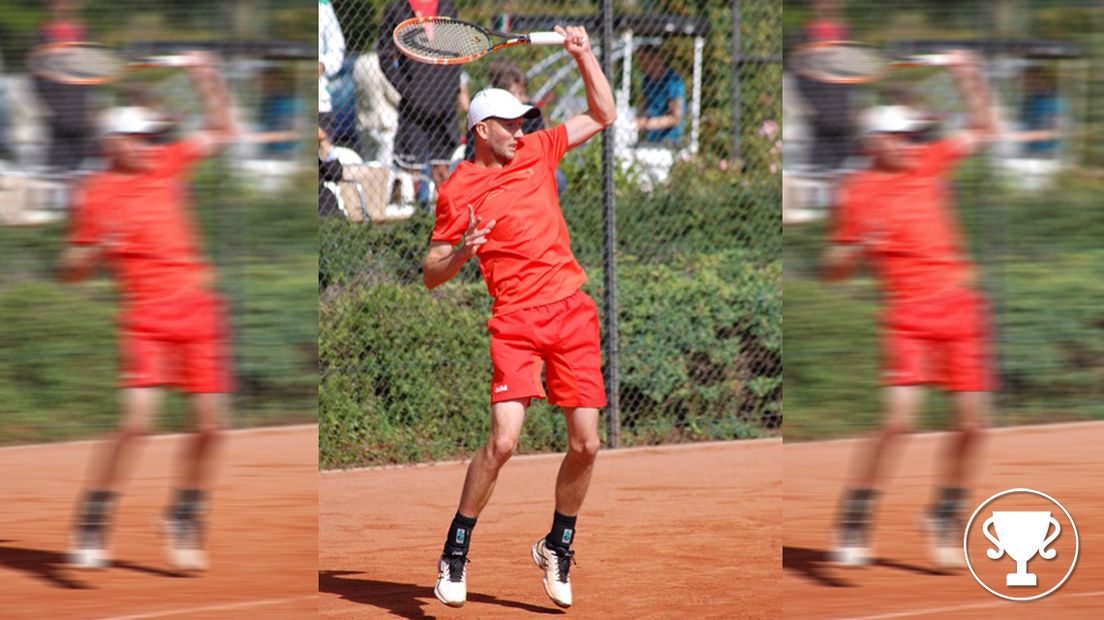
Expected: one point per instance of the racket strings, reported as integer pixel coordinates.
(78, 62)
(443, 40)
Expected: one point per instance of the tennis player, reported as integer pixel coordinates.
(935, 322)
(135, 216)
(503, 209)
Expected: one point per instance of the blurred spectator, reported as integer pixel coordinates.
(69, 118)
(661, 118)
(429, 129)
(331, 55)
(377, 102)
(829, 104)
(329, 169)
(1041, 113)
(280, 114)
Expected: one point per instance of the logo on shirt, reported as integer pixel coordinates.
(500, 389)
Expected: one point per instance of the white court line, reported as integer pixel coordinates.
(942, 610)
(226, 607)
(999, 430)
(254, 430)
(559, 455)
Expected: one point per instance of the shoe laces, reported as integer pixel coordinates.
(187, 531)
(564, 560)
(456, 567)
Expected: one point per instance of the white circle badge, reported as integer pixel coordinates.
(1012, 523)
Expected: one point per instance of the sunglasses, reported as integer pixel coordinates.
(915, 137)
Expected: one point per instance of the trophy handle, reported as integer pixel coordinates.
(1045, 553)
(994, 554)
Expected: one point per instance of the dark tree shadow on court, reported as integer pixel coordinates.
(406, 600)
(53, 568)
(813, 564)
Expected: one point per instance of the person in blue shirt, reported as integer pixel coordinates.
(1042, 111)
(661, 118)
(280, 115)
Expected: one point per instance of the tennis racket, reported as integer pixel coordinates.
(89, 63)
(848, 62)
(448, 41)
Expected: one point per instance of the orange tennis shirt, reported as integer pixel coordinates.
(527, 260)
(142, 222)
(906, 224)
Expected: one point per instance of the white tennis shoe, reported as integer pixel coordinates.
(452, 580)
(556, 566)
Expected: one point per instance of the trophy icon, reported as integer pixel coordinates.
(1021, 534)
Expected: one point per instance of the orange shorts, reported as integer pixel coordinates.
(944, 342)
(563, 336)
(180, 342)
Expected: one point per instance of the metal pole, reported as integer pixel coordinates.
(613, 428)
(737, 151)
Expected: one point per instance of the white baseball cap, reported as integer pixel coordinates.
(132, 119)
(497, 103)
(893, 119)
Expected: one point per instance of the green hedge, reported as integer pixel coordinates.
(405, 371)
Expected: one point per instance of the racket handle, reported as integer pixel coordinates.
(176, 60)
(924, 60)
(546, 38)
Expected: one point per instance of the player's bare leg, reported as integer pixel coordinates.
(872, 461)
(209, 412)
(183, 522)
(960, 452)
(553, 553)
(583, 443)
(944, 519)
(506, 420)
(139, 406)
(89, 547)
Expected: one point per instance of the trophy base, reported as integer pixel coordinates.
(1021, 579)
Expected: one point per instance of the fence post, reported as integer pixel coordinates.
(613, 425)
(736, 55)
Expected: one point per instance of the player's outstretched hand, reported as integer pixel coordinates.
(576, 41)
(474, 237)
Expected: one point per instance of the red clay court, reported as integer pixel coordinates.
(686, 531)
(262, 540)
(1062, 460)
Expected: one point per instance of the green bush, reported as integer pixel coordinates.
(405, 371)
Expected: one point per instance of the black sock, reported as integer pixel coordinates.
(95, 508)
(189, 503)
(459, 535)
(948, 504)
(563, 531)
(857, 506)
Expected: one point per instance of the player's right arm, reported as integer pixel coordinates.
(445, 260)
(218, 126)
(974, 92)
(601, 111)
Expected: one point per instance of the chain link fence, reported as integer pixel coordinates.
(675, 220)
(1027, 206)
(252, 205)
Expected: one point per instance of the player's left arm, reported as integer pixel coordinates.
(974, 92)
(209, 85)
(601, 111)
